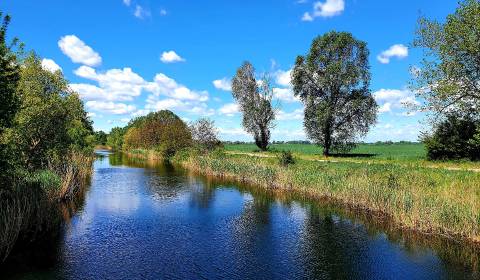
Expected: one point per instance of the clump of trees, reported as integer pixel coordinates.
(332, 81)
(45, 138)
(204, 134)
(456, 137)
(255, 101)
(162, 131)
(449, 80)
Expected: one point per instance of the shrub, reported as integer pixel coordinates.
(286, 158)
(454, 138)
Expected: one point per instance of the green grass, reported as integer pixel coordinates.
(397, 151)
(427, 200)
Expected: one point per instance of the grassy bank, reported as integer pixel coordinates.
(31, 210)
(427, 200)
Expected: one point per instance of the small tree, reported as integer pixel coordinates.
(204, 134)
(449, 80)
(256, 104)
(332, 81)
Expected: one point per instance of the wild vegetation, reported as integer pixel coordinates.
(449, 81)
(46, 143)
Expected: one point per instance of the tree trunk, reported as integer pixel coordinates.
(327, 140)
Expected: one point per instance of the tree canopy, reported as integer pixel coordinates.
(449, 80)
(255, 102)
(332, 81)
(163, 131)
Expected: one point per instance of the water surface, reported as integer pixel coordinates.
(144, 220)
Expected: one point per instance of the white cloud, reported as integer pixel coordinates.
(229, 109)
(110, 107)
(387, 107)
(329, 8)
(171, 57)
(398, 50)
(390, 99)
(307, 17)
(163, 12)
(114, 84)
(285, 94)
(78, 51)
(127, 2)
(166, 86)
(223, 84)
(296, 114)
(236, 131)
(50, 65)
(140, 12)
(141, 112)
(283, 78)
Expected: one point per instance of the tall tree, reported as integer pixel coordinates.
(449, 80)
(332, 81)
(9, 77)
(255, 102)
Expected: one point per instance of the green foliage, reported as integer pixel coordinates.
(448, 80)
(286, 158)
(255, 102)
(454, 138)
(204, 134)
(100, 138)
(9, 77)
(51, 120)
(115, 138)
(332, 81)
(162, 131)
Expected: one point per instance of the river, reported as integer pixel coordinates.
(147, 220)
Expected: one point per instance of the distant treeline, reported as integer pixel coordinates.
(306, 142)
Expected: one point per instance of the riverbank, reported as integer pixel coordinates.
(429, 201)
(33, 206)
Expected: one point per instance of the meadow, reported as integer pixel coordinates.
(386, 151)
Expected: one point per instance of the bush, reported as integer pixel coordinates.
(454, 138)
(286, 158)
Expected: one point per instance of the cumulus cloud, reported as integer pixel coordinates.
(285, 95)
(329, 8)
(283, 78)
(390, 99)
(296, 114)
(114, 84)
(127, 2)
(110, 107)
(229, 109)
(171, 57)
(223, 84)
(398, 51)
(78, 51)
(50, 65)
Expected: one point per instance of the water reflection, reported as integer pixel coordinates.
(148, 220)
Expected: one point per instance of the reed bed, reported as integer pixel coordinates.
(431, 201)
(30, 212)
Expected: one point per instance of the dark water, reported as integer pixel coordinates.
(152, 221)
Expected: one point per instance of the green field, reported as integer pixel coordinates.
(395, 151)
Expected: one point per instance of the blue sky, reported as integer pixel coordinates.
(127, 57)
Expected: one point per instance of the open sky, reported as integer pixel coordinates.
(129, 57)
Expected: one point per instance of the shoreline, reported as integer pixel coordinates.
(280, 184)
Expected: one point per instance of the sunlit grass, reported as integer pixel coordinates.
(428, 200)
